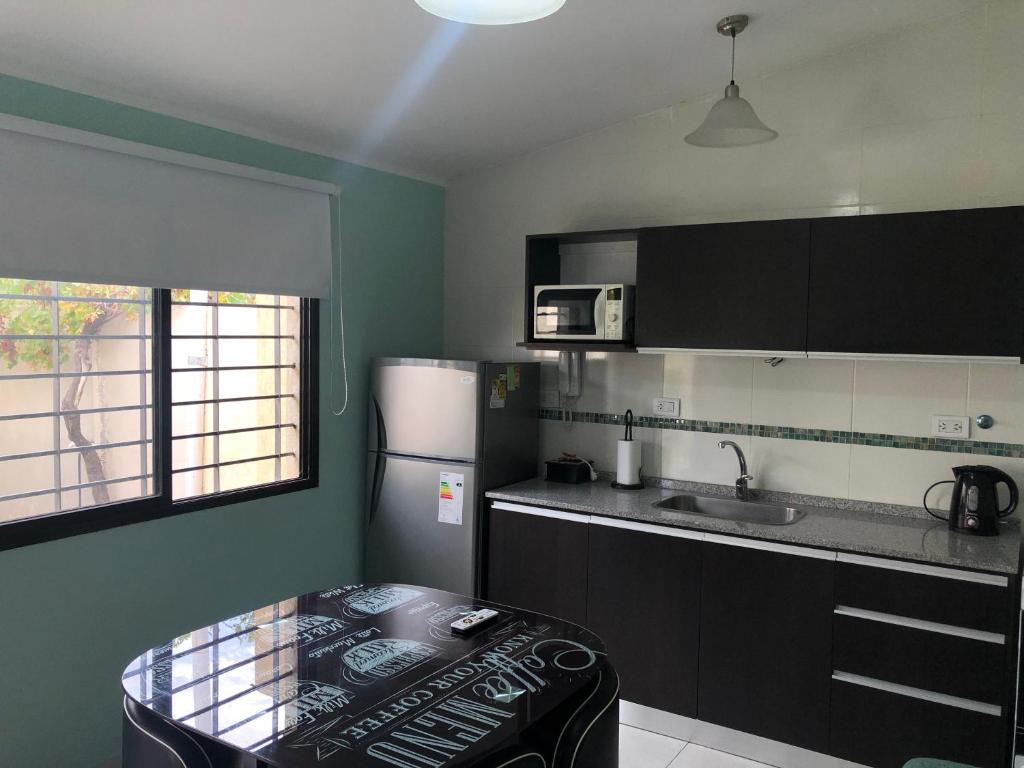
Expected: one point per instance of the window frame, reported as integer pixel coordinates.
(61, 525)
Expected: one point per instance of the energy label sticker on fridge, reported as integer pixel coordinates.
(449, 498)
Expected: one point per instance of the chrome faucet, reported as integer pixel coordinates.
(742, 491)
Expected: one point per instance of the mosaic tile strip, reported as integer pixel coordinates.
(944, 445)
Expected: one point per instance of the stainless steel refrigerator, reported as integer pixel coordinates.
(441, 434)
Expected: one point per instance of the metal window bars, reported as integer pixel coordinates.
(216, 367)
(59, 293)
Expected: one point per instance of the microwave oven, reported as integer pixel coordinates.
(583, 312)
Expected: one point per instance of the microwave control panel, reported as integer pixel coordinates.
(614, 309)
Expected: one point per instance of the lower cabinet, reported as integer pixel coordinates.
(766, 643)
(538, 562)
(643, 600)
(923, 660)
(870, 660)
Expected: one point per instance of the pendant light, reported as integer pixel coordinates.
(731, 122)
(491, 12)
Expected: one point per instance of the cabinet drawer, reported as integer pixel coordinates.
(967, 667)
(979, 603)
(884, 729)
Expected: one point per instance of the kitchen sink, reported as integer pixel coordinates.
(733, 509)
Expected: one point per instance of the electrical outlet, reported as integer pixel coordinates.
(951, 426)
(669, 407)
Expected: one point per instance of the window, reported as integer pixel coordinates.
(75, 396)
(235, 388)
(120, 404)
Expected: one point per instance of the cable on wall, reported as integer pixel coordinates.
(336, 263)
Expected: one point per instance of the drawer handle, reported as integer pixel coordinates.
(540, 512)
(769, 546)
(657, 530)
(927, 626)
(925, 570)
(918, 693)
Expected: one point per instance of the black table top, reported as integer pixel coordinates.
(366, 675)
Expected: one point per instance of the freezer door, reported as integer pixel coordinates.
(424, 407)
(405, 541)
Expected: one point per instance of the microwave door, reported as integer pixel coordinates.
(569, 313)
(548, 320)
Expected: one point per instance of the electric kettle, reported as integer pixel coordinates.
(974, 506)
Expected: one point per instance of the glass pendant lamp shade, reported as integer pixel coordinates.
(731, 122)
(491, 11)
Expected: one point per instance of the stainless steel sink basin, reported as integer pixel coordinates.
(733, 509)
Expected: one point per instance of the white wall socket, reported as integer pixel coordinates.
(669, 407)
(951, 426)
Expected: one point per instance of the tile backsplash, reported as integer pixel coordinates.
(860, 429)
(876, 128)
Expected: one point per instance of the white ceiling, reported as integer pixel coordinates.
(384, 83)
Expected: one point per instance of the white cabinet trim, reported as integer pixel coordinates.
(925, 570)
(657, 530)
(722, 352)
(927, 626)
(888, 356)
(897, 357)
(770, 546)
(918, 693)
(541, 512)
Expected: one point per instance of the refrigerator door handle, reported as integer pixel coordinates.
(382, 432)
(379, 468)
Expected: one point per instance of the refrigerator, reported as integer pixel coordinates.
(442, 433)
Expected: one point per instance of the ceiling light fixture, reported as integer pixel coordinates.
(731, 122)
(491, 12)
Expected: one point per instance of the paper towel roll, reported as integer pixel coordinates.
(627, 464)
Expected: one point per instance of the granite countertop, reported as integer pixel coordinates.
(845, 530)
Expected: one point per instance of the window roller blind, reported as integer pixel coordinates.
(73, 211)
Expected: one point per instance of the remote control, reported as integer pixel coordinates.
(472, 621)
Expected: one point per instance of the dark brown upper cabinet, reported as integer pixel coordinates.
(943, 283)
(940, 283)
(736, 287)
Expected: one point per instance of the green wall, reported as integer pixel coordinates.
(74, 612)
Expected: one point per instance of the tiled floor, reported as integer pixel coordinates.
(643, 749)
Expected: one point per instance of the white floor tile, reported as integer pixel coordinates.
(643, 749)
(694, 756)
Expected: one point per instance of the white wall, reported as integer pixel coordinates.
(927, 118)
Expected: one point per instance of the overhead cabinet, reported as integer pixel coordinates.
(947, 283)
(724, 287)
